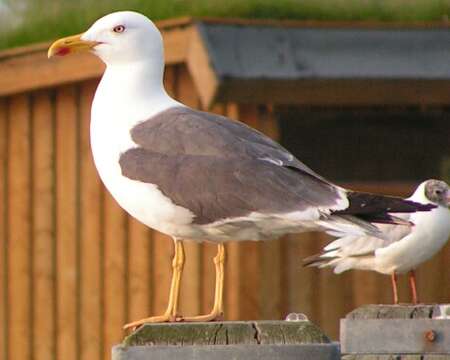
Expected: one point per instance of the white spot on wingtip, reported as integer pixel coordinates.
(273, 161)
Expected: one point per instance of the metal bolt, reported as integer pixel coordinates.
(430, 335)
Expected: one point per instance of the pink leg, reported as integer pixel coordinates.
(394, 287)
(412, 284)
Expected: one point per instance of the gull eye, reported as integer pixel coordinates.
(438, 192)
(119, 29)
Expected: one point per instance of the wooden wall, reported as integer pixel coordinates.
(74, 267)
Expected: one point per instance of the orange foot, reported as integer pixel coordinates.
(152, 320)
(214, 315)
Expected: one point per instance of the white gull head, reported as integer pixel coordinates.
(131, 91)
(125, 37)
(131, 46)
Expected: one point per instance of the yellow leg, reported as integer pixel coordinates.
(217, 310)
(171, 312)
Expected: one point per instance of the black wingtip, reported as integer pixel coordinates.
(419, 206)
(376, 208)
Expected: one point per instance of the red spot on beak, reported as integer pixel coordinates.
(63, 51)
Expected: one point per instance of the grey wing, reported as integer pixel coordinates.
(184, 131)
(215, 188)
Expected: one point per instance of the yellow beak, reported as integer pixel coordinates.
(69, 45)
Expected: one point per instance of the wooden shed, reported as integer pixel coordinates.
(365, 105)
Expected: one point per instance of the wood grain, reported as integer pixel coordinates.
(20, 224)
(91, 238)
(115, 272)
(163, 251)
(299, 284)
(3, 228)
(139, 270)
(44, 301)
(67, 222)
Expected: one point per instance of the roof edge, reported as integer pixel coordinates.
(185, 21)
(365, 24)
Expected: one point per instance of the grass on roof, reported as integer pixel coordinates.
(43, 20)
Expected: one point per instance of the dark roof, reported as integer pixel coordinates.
(272, 52)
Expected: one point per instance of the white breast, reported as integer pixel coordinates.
(429, 235)
(113, 115)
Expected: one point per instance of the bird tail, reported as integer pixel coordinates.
(346, 253)
(320, 260)
(340, 264)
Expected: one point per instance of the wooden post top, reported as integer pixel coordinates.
(401, 311)
(388, 331)
(228, 333)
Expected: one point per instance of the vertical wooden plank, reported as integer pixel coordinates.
(271, 288)
(191, 289)
(208, 276)
(233, 288)
(3, 230)
(428, 290)
(299, 283)
(163, 251)
(19, 219)
(90, 237)
(335, 296)
(366, 287)
(233, 268)
(66, 221)
(44, 302)
(139, 243)
(444, 274)
(115, 273)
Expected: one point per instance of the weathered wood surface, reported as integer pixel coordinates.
(228, 333)
(225, 340)
(402, 311)
(396, 331)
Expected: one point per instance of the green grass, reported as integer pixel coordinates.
(50, 19)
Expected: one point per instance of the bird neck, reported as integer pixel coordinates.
(135, 89)
(137, 77)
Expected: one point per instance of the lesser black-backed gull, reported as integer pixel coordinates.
(196, 175)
